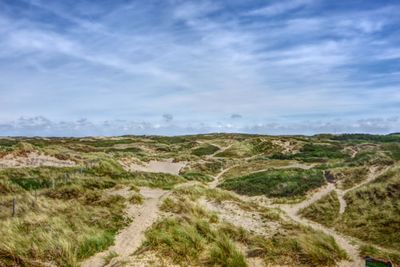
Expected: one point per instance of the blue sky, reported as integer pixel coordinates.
(82, 67)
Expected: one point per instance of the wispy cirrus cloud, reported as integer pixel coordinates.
(284, 61)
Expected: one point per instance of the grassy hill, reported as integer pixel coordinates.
(64, 200)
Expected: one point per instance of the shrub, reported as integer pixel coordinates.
(276, 183)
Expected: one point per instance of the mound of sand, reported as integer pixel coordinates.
(165, 166)
(33, 159)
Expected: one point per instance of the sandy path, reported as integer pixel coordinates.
(372, 175)
(130, 238)
(342, 201)
(343, 242)
(215, 181)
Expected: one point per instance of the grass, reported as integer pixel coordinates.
(237, 150)
(325, 211)
(78, 218)
(224, 253)
(372, 212)
(371, 251)
(276, 183)
(298, 246)
(349, 176)
(191, 239)
(136, 198)
(197, 176)
(312, 152)
(62, 232)
(205, 150)
(245, 168)
(111, 255)
(210, 168)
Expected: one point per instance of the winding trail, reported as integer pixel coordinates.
(131, 237)
(344, 242)
(347, 243)
(374, 173)
(215, 181)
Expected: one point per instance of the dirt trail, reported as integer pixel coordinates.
(215, 181)
(343, 242)
(130, 238)
(372, 175)
(143, 216)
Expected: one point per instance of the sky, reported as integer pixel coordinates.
(172, 67)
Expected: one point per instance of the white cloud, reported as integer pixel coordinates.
(280, 7)
(196, 59)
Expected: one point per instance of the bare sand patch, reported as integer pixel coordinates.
(33, 159)
(252, 221)
(164, 166)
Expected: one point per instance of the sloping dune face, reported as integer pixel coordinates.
(33, 159)
(165, 166)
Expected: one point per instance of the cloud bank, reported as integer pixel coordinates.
(41, 126)
(275, 62)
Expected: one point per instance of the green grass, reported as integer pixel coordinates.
(136, 198)
(296, 246)
(192, 239)
(372, 212)
(393, 149)
(311, 152)
(197, 176)
(62, 232)
(325, 211)
(205, 150)
(348, 177)
(224, 253)
(276, 183)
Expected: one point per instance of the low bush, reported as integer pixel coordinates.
(276, 183)
(205, 150)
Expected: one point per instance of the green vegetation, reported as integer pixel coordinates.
(372, 212)
(197, 176)
(276, 183)
(368, 137)
(325, 211)
(205, 150)
(66, 214)
(252, 166)
(63, 232)
(302, 247)
(371, 251)
(311, 152)
(136, 198)
(348, 177)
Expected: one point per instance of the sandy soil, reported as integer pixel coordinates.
(216, 180)
(343, 242)
(33, 159)
(166, 166)
(372, 175)
(130, 238)
(231, 212)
